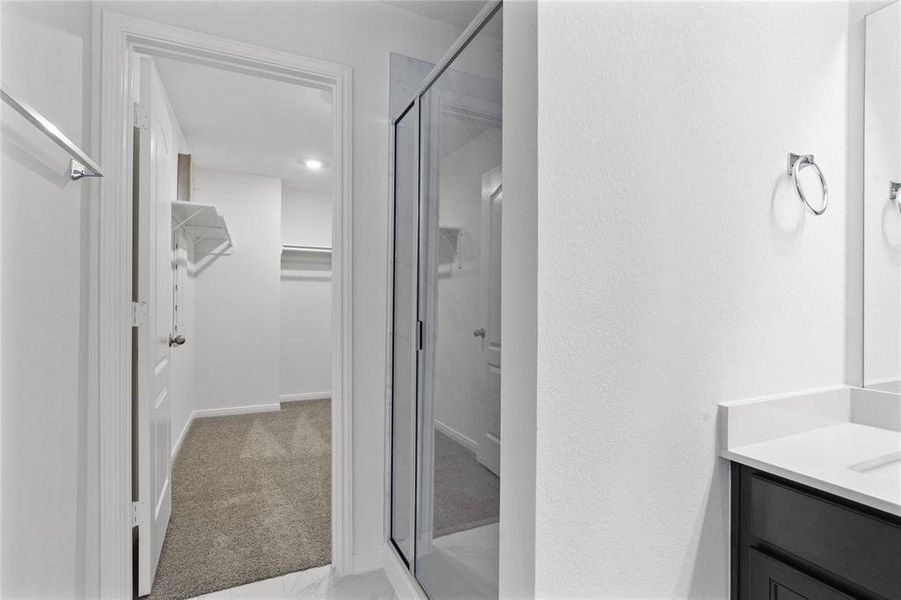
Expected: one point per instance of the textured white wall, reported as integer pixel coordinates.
(359, 34)
(46, 58)
(676, 269)
(306, 310)
(237, 301)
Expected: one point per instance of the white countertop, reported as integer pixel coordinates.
(844, 442)
(822, 459)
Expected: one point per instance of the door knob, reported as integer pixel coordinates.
(177, 340)
(480, 332)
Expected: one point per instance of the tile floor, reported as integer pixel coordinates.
(462, 565)
(312, 584)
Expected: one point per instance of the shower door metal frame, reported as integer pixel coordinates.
(411, 109)
(488, 11)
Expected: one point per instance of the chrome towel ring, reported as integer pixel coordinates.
(796, 162)
(893, 193)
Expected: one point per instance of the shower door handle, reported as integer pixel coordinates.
(479, 333)
(420, 335)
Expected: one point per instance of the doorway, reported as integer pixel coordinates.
(233, 216)
(127, 40)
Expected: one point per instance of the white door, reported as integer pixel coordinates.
(488, 451)
(155, 174)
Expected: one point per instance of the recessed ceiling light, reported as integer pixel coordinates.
(313, 164)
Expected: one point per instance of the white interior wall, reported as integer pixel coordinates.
(44, 253)
(237, 300)
(676, 269)
(306, 286)
(361, 35)
(306, 216)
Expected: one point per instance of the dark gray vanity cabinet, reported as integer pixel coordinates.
(773, 579)
(791, 542)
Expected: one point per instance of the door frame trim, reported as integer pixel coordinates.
(110, 355)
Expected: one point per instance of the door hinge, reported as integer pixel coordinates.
(138, 314)
(138, 514)
(141, 116)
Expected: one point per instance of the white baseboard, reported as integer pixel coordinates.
(456, 435)
(182, 435)
(489, 453)
(235, 410)
(400, 577)
(367, 561)
(306, 396)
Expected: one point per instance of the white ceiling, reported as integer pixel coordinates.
(453, 12)
(248, 124)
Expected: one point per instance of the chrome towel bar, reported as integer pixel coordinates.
(81, 164)
(796, 162)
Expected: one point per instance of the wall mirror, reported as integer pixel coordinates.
(882, 201)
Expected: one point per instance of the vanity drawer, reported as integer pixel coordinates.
(849, 542)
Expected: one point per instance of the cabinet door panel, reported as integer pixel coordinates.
(771, 579)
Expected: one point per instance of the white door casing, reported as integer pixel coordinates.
(156, 174)
(488, 450)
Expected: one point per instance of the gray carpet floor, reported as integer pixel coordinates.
(467, 494)
(250, 500)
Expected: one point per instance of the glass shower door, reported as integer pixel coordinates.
(446, 323)
(459, 382)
